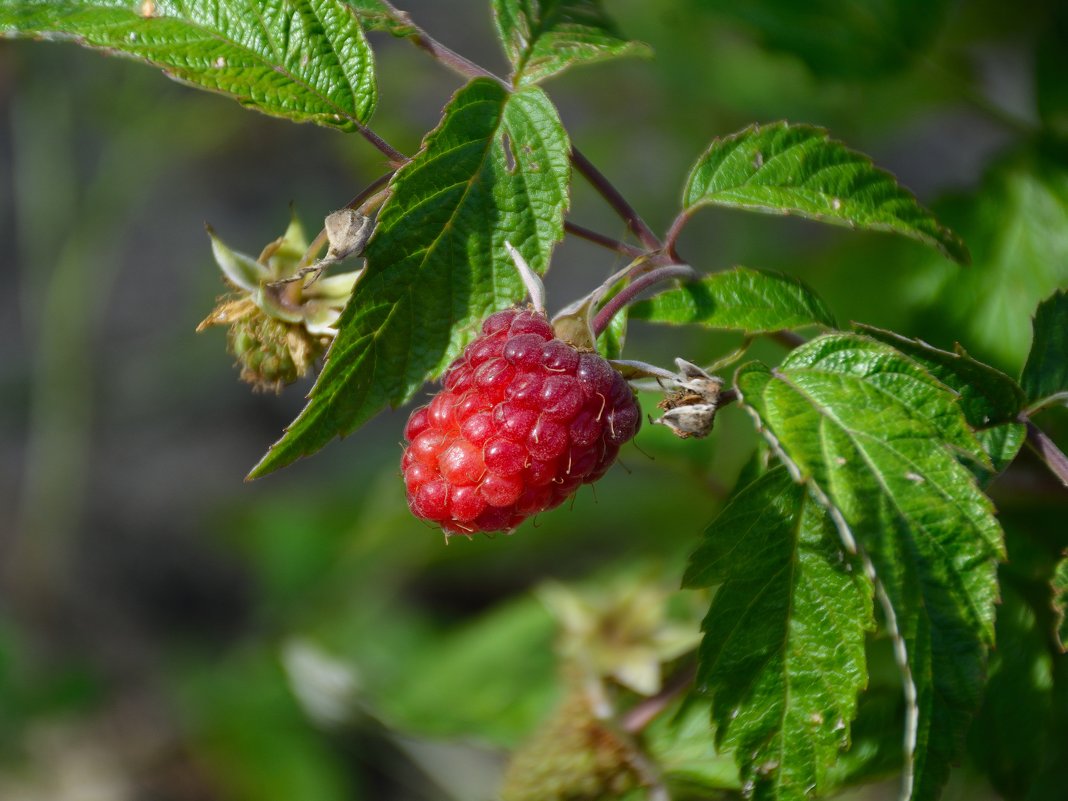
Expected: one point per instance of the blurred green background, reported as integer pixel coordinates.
(171, 633)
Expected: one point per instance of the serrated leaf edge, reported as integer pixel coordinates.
(901, 656)
(963, 257)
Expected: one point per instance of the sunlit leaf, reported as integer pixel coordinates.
(990, 400)
(305, 60)
(797, 169)
(495, 170)
(544, 37)
(877, 450)
(1060, 601)
(753, 301)
(783, 652)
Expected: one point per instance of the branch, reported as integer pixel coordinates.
(622, 248)
(1047, 451)
(635, 288)
(788, 339)
(672, 237)
(641, 715)
(396, 158)
(613, 198)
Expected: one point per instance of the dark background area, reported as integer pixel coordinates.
(169, 632)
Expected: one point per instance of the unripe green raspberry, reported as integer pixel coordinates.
(573, 757)
(273, 353)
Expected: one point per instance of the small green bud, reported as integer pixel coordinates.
(280, 322)
(574, 756)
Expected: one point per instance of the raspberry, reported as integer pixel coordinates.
(522, 421)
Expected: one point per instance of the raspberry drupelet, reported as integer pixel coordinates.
(522, 420)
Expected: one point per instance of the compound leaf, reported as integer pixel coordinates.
(495, 170)
(544, 37)
(753, 301)
(1046, 372)
(797, 169)
(783, 651)
(305, 60)
(855, 419)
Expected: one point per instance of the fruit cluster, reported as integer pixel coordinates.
(523, 420)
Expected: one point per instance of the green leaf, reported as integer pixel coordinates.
(496, 169)
(1060, 602)
(856, 420)
(1046, 372)
(783, 653)
(544, 37)
(378, 16)
(1017, 227)
(990, 400)
(753, 301)
(796, 169)
(841, 39)
(987, 395)
(305, 60)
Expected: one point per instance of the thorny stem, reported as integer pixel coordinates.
(1047, 451)
(622, 248)
(635, 288)
(640, 716)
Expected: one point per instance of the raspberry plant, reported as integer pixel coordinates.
(862, 518)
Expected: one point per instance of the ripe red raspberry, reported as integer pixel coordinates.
(523, 420)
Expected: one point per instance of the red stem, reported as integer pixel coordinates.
(613, 198)
(1048, 452)
(672, 237)
(634, 289)
(640, 716)
(622, 248)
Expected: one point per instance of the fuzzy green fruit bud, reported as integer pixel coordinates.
(573, 757)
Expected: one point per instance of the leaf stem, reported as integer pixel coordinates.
(1047, 451)
(635, 288)
(622, 248)
(607, 190)
(788, 339)
(439, 52)
(672, 237)
(641, 715)
(396, 158)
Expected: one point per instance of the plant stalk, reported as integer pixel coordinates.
(1048, 452)
(634, 289)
